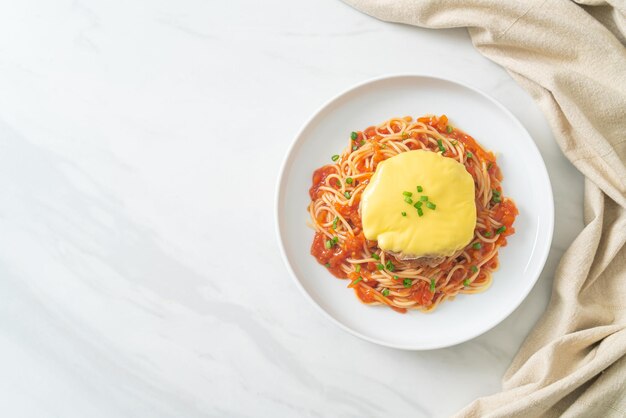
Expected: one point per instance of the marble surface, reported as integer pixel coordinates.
(140, 144)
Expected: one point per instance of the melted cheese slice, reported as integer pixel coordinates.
(439, 232)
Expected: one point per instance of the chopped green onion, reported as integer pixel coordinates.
(335, 222)
(355, 281)
(349, 180)
(354, 148)
(389, 265)
(424, 198)
(477, 246)
(420, 189)
(385, 292)
(501, 229)
(380, 266)
(489, 166)
(357, 268)
(338, 183)
(449, 129)
(354, 136)
(420, 212)
(488, 233)
(403, 213)
(432, 285)
(408, 200)
(466, 282)
(375, 256)
(455, 142)
(440, 145)
(418, 204)
(474, 269)
(409, 194)
(362, 142)
(431, 205)
(335, 240)
(496, 196)
(334, 157)
(347, 195)
(328, 244)
(395, 277)
(407, 282)
(327, 264)
(469, 154)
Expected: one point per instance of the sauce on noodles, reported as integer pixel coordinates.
(376, 276)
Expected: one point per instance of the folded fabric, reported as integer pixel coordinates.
(570, 57)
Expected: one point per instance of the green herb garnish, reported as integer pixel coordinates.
(432, 285)
(440, 145)
(354, 136)
(349, 180)
(375, 256)
(501, 229)
(334, 157)
(355, 281)
(431, 205)
(477, 245)
(420, 189)
(407, 283)
(474, 269)
(496, 198)
(466, 282)
(385, 292)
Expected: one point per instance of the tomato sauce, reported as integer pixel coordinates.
(365, 293)
(505, 213)
(319, 179)
(337, 254)
(421, 293)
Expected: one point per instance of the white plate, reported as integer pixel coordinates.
(525, 180)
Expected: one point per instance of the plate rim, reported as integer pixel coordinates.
(279, 192)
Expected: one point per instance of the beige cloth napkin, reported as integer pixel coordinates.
(570, 57)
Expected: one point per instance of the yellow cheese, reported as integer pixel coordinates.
(439, 232)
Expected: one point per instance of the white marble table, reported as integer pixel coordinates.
(140, 144)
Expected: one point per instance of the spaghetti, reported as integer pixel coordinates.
(376, 276)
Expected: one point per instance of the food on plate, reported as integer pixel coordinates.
(412, 213)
